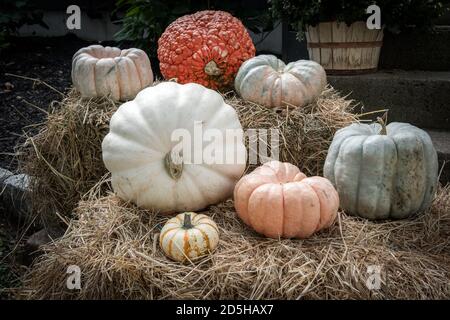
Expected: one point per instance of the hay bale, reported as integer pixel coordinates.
(305, 133)
(115, 245)
(65, 156)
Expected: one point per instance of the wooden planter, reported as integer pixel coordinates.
(343, 49)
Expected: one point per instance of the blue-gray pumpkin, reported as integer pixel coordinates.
(383, 172)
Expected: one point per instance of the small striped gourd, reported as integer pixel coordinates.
(189, 236)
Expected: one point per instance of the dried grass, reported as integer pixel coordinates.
(64, 158)
(305, 133)
(115, 245)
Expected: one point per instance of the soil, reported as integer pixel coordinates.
(23, 103)
(46, 59)
(23, 106)
(12, 264)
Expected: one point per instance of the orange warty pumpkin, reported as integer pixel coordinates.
(206, 47)
(277, 200)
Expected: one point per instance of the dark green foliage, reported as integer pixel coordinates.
(396, 15)
(13, 15)
(146, 20)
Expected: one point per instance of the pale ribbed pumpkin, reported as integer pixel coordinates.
(277, 200)
(266, 80)
(101, 71)
(382, 171)
(142, 155)
(189, 236)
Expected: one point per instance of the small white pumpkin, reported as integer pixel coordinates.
(189, 236)
(382, 171)
(100, 71)
(146, 165)
(266, 80)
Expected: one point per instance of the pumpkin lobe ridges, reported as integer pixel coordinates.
(277, 200)
(266, 80)
(101, 71)
(399, 170)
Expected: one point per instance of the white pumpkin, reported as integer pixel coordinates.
(382, 172)
(266, 80)
(146, 163)
(100, 71)
(189, 236)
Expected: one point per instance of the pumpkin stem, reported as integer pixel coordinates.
(211, 69)
(173, 163)
(187, 222)
(382, 122)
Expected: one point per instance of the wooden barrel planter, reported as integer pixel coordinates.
(343, 49)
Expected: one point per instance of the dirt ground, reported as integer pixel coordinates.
(20, 99)
(25, 66)
(23, 103)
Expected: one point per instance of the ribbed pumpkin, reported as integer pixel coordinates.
(277, 200)
(383, 171)
(206, 47)
(146, 164)
(100, 71)
(266, 80)
(189, 236)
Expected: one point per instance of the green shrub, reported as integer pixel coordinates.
(396, 15)
(15, 14)
(146, 20)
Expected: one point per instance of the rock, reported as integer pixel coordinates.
(15, 196)
(42, 237)
(37, 239)
(4, 174)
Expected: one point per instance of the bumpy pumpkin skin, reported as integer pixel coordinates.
(381, 176)
(266, 80)
(101, 71)
(277, 200)
(206, 47)
(137, 147)
(183, 243)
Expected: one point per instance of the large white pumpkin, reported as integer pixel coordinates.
(100, 71)
(267, 80)
(143, 156)
(379, 174)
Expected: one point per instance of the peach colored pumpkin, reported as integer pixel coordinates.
(277, 200)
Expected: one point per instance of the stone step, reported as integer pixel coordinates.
(421, 98)
(441, 141)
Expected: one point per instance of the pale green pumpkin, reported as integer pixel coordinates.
(383, 172)
(268, 81)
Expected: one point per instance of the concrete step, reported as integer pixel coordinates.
(421, 98)
(441, 141)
